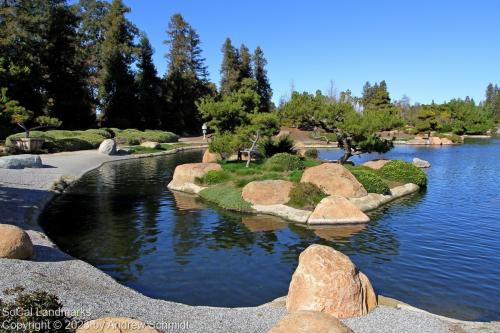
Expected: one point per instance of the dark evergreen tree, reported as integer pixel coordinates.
(186, 78)
(263, 86)
(148, 86)
(117, 86)
(245, 63)
(91, 30)
(230, 69)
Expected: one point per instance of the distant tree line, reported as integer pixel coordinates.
(88, 65)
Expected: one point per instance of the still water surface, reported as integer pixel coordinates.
(438, 250)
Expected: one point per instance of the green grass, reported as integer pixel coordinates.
(284, 162)
(214, 177)
(370, 180)
(226, 197)
(163, 147)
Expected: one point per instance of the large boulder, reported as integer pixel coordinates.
(20, 161)
(267, 192)
(115, 325)
(418, 140)
(370, 201)
(327, 281)
(376, 164)
(310, 322)
(446, 141)
(209, 157)
(150, 144)
(419, 163)
(107, 147)
(334, 179)
(185, 175)
(434, 140)
(14, 243)
(336, 210)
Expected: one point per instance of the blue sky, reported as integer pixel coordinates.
(424, 49)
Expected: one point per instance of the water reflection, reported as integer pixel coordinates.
(437, 249)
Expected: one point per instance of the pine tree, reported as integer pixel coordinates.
(263, 87)
(117, 86)
(148, 86)
(245, 63)
(91, 30)
(186, 79)
(230, 69)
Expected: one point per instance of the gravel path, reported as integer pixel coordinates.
(82, 287)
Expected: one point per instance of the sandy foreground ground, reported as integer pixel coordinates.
(90, 293)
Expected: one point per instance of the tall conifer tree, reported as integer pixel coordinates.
(263, 86)
(230, 68)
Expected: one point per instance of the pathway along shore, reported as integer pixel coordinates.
(81, 287)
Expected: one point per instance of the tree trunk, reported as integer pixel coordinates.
(347, 152)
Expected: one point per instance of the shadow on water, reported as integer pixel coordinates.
(433, 249)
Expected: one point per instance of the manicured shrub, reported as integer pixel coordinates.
(37, 311)
(305, 196)
(223, 144)
(311, 153)
(370, 180)
(135, 137)
(214, 177)
(403, 172)
(226, 197)
(270, 147)
(284, 162)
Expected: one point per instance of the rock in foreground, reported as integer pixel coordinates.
(267, 192)
(115, 325)
(20, 161)
(337, 210)
(334, 179)
(310, 322)
(421, 163)
(107, 147)
(14, 243)
(186, 174)
(327, 281)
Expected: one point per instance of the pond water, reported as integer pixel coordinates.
(437, 250)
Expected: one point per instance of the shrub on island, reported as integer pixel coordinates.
(284, 162)
(370, 180)
(136, 137)
(305, 196)
(214, 177)
(403, 172)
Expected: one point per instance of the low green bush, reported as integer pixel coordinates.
(135, 137)
(370, 180)
(214, 177)
(305, 196)
(61, 140)
(226, 197)
(270, 147)
(311, 153)
(36, 311)
(403, 172)
(284, 162)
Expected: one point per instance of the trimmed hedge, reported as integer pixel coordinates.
(404, 172)
(136, 137)
(305, 196)
(226, 197)
(62, 140)
(370, 180)
(284, 162)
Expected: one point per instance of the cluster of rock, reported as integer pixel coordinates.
(433, 140)
(346, 203)
(325, 287)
